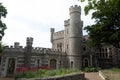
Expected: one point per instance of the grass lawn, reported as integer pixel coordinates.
(112, 74)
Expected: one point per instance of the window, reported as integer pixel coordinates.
(60, 46)
(67, 46)
(67, 30)
(38, 62)
(84, 48)
(71, 64)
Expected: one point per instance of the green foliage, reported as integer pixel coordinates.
(16, 76)
(3, 13)
(91, 69)
(3, 10)
(1, 47)
(41, 73)
(28, 74)
(115, 70)
(106, 14)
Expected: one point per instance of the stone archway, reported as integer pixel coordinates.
(86, 62)
(71, 64)
(53, 63)
(11, 66)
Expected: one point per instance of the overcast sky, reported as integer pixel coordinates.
(34, 18)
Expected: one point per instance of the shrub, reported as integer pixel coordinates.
(45, 73)
(91, 69)
(16, 76)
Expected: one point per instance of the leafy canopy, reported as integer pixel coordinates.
(3, 13)
(107, 21)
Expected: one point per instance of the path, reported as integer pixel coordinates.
(92, 76)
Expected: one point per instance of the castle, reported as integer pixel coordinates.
(69, 50)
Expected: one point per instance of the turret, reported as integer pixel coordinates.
(16, 44)
(75, 36)
(52, 32)
(75, 21)
(29, 41)
(28, 51)
(66, 36)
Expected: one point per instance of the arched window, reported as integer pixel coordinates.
(67, 46)
(38, 63)
(60, 46)
(84, 48)
(71, 64)
(11, 66)
(86, 62)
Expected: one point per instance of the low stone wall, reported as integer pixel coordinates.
(103, 76)
(79, 76)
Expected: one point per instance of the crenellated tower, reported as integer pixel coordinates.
(52, 30)
(28, 51)
(75, 36)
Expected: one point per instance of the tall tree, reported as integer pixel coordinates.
(3, 13)
(107, 21)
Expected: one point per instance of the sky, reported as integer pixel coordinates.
(34, 18)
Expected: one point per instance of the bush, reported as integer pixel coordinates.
(41, 73)
(91, 69)
(16, 76)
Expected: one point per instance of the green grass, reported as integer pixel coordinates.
(42, 73)
(112, 74)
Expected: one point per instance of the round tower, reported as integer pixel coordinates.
(75, 37)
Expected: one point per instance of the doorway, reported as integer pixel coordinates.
(11, 66)
(53, 64)
(86, 62)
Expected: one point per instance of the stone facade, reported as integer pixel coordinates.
(69, 50)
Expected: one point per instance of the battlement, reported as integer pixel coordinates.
(75, 8)
(45, 50)
(34, 50)
(58, 35)
(29, 41)
(67, 22)
(13, 49)
(52, 30)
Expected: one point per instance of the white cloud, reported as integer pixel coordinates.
(34, 18)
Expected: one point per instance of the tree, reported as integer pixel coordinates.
(3, 13)
(107, 21)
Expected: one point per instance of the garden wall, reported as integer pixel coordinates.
(79, 76)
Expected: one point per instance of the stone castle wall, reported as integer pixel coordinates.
(58, 35)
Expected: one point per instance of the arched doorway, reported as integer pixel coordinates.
(38, 63)
(86, 62)
(71, 64)
(11, 66)
(53, 64)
